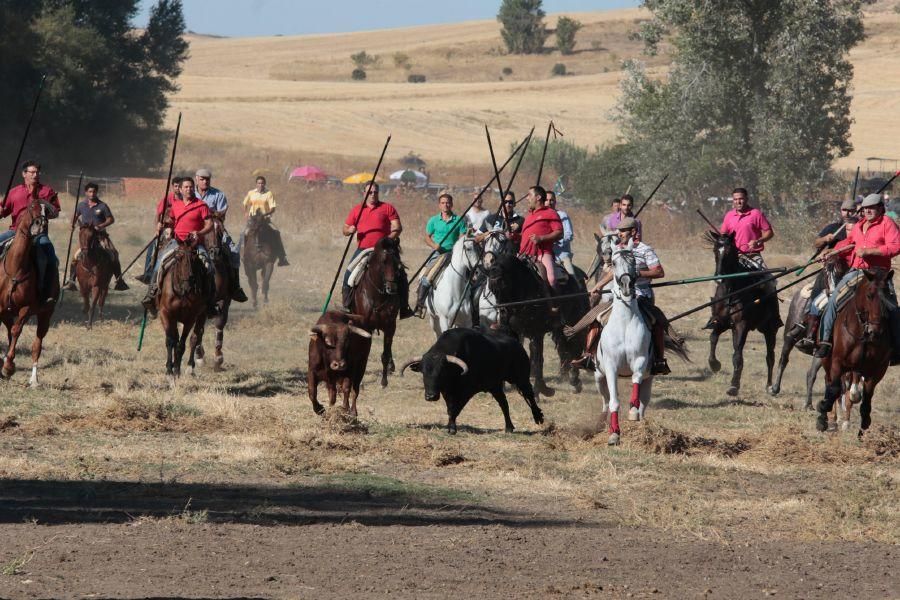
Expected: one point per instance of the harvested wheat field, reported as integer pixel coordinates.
(116, 484)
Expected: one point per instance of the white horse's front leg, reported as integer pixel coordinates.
(611, 372)
(635, 412)
(600, 381)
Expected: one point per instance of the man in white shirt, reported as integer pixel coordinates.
(477, 214)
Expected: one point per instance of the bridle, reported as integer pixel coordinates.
(626, 280)
(35, 228)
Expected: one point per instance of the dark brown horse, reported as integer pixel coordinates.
(19, 288)
(220, 257)
(258, 254)
(835, 268)
(381, 292)
(182, 299)
(741, 313)
(93, 271)
(861, 348)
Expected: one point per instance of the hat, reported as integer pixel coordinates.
(203, 173)
(627, 223)
(871, 200)
(848, 204)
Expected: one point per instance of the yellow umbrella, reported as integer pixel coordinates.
(258, 172)
(361, 178)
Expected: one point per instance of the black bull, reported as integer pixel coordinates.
(463, 362)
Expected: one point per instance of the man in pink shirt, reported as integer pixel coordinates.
(876, 240)
(750, 227)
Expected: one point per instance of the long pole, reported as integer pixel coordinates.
(653, 193)
(520, 147)
(12, 176)
(518, 164)
(140, 254)
(888, 183)
(544, 152)
(62, 288)
(824, 246)
(718, 277)
(494, 161)
(708, 222)
(362, 207)
(160, 220)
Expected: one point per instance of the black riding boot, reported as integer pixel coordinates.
(346, 297)
(660, 366)
(405, 311)
(421, 297)
(149, 300)
(237, 294)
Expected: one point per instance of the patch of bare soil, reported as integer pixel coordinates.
(319, 540)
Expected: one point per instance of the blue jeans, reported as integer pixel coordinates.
(9, 233)
(148, 258)
(830, 314)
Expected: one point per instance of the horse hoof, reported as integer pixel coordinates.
(845, 425)
(773, 391)
(538, 418)
(576, 387)
(613, 440)
(715, 366)
(8, 371)
(822, 422)
(732, 391)
(384, 382)
(634, 414)
(544, 390)
(808, 406)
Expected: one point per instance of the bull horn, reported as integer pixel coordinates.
(408, 363)
(316, 332)
(458, 362)
(360, 331)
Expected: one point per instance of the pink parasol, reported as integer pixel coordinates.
(309, 173)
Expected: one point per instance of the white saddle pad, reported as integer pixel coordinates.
(358, 266)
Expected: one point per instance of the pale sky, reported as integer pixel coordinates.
(237, 18)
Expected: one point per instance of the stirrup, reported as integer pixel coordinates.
(70, 285)
(585, 361)
(823, 350)
(407, 312)
(238, 295)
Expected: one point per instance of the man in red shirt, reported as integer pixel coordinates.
(19, 198)
(541, 230)
(378, 220)
(876, 240)
(164, 202)
(191, 218)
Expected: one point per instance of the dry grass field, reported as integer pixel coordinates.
(294, 93)
(116, 484)
(113, 483)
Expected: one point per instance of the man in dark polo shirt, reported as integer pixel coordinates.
(378, 220)
(95, 212)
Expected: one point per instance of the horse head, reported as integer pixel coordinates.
(624, 271)
(212, 240)
(385, 264)
(468, 251)
(87, 237)
(495, 244)
(33, 220)
(870, 300)
(606, 243)
(725, 252)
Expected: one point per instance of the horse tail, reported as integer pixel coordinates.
(676, 344)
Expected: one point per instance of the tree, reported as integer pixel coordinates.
(566, 30)
(758, 94)
(362, 59)
(523, 26)
(106, 92)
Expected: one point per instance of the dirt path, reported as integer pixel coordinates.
(310, 541)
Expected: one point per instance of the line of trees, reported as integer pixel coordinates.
(106, 93)
(524, 31)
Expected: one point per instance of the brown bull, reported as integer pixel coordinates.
(338, 353)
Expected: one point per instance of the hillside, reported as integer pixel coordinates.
(294, 93)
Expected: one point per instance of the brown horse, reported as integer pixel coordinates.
(742, 313)
(19, 290)
(381, 291)
(862, 349)
(258, 254)
(93, 271)
(220, 257)
(182, 299)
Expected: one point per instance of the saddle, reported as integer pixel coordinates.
(358, 266)
(197, 279)
(433, 274)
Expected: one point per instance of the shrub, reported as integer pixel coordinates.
(358, 74)
(414, 78)
(401, 60)
(362, 59)
(507, 71)
(559, 69)
(566, 30)
(523, 26)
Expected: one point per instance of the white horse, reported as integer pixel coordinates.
(449, 304)
(624, 348)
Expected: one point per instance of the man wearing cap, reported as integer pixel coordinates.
(18, 200)
(832, 236)
(370, 222)
(648, 267)
(218, 207)
(94, 212)
(541, 230)
(441, 233)
(876, 240)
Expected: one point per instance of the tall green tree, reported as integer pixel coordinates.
(566, 30)
(523, 26)
(106, 93)
(758, 94)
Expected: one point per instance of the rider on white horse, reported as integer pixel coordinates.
(441, 233)
(648, 267)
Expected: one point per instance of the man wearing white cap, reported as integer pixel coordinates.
(876, 240)
(648, 267)
(218, 206)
